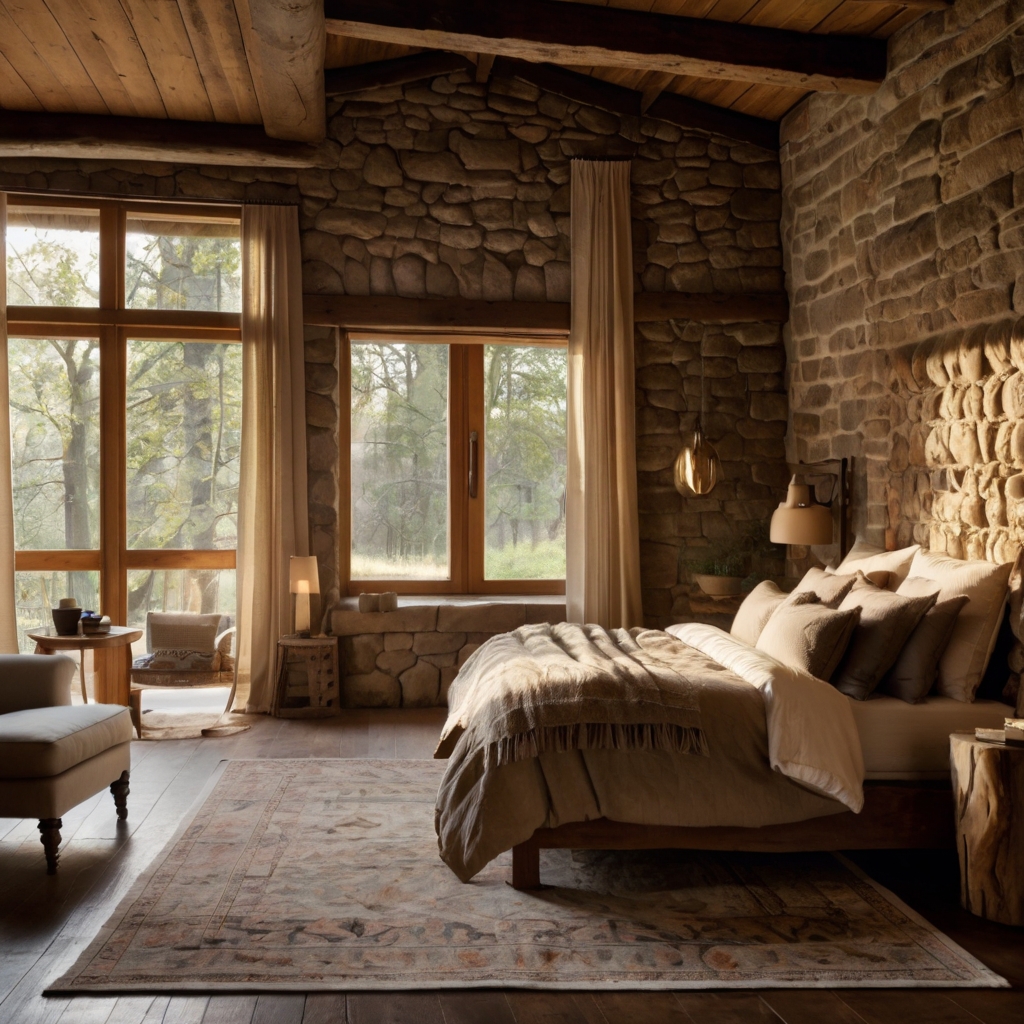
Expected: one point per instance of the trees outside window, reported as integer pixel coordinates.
(424, 413)
(125, 395)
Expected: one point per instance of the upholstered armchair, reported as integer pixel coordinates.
(54, 755)
(184, 649)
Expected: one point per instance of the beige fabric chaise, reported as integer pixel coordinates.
(52, 755)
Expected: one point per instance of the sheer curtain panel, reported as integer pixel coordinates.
(602, 583)
(8, 613)
(273, 523)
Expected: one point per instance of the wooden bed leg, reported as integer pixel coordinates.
(526, 865)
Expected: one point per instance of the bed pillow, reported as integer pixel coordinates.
(829, 588)
(755, 611)
(962, 664)
(913, 675)
(886, 622)
(808, 636)
(869, 559)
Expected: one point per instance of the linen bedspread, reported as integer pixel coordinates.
(757, 770)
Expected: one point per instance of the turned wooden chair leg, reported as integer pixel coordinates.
(135, 710)
(120, 791)
(526, 866)
(49, 836)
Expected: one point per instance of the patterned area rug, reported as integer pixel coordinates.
(324, 874)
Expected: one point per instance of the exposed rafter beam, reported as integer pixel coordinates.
(678, 110)
(284, 45)
(99, 137)
(398, 71)
(571, 33)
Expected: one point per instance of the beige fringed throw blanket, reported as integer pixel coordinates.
(551, 688)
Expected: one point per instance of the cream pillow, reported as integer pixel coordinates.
(869, 559)
(886, 623)
(974, 633)
(755, 611)
(829, 588)
(808, 636)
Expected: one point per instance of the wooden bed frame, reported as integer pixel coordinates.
(896, 816)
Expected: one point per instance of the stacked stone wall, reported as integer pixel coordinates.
(902, 228)
(448, 188)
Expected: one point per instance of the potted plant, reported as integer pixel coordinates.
(727, 570)
(719, 574)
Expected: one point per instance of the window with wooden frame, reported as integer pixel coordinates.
(125, 393)
(453, 464)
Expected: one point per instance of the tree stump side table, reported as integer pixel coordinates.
(988, 789)
(307, 683)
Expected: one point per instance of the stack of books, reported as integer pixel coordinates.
(1012, 733)
(94, 624)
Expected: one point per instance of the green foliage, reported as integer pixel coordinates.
(183, 272)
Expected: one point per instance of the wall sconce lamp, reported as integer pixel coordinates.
(303, 580)
(800, 519)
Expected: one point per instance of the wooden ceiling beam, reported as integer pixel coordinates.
(101, 137)
(399, 71)
(678, 110)
(546, 31)
(285, 43)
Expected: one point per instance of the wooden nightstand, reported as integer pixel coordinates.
(988, 787)
(307, 681)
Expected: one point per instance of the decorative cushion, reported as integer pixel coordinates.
(886, 623)
(869, 559)
(179, 661)
(962, 664)
(808, 636)
(42, 742)
(182, 631)
(913, 675)
(755, 611)
(829, 588)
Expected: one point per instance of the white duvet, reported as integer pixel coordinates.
(812, 735)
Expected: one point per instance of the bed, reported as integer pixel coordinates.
(784, 762)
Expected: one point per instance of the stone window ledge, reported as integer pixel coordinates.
(449, 613)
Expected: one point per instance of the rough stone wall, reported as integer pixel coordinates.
(448, 188)
(902, 227)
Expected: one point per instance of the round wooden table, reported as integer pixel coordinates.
(49, 642)
(988, 790)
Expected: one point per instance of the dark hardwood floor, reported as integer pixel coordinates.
(45, 922)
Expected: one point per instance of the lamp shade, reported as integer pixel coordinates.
(303, 575)
(799, 520)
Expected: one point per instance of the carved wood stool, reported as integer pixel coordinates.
(988, 787)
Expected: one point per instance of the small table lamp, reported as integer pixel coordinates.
(799, 519)
(304, 579)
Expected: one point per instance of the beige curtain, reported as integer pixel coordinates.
(602, 583)
(8, 614)
(273, 523)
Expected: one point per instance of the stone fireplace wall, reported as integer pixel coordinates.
(902, 226)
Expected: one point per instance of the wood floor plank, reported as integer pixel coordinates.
(230, 1010)
(279, 1009)
(394, 1008)
(726, 1008)
(130, 1009)
(991, 1007)
(325, 1008)
(186, 1010)
(89, 1010)
(473, 1006)
(641, 1007)
(896, 1006)
(810, 1006)
(537, 1007)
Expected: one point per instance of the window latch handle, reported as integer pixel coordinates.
(474, 439)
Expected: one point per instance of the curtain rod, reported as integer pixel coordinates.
(131, 197)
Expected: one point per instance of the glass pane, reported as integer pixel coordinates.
(55, 409)
(53, 256)
(36, 593)
(399, 462)
(184, 428)
(524, 465)
(181, 590)
(176, 262)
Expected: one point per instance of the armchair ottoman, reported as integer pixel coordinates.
(54, 755)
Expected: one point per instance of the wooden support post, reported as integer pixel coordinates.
(526, 865)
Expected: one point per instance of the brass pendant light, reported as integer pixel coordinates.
(697, 465)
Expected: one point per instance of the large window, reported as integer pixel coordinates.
(456, 466)
(125, 393)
